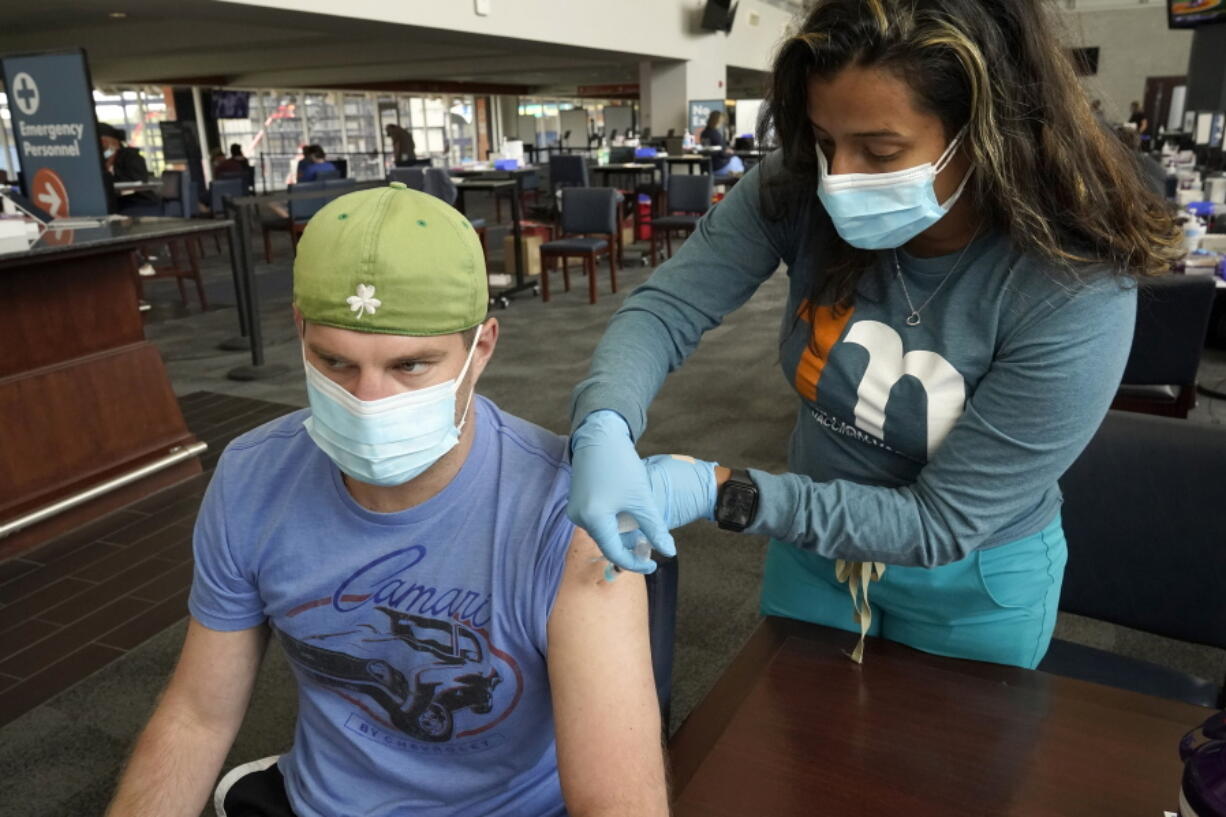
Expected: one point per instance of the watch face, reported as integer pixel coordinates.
(737, 504)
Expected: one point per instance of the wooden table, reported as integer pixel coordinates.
(793, 727)
(88, 419)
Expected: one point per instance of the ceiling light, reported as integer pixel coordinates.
(117, 15)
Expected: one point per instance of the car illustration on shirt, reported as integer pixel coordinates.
(419, 699)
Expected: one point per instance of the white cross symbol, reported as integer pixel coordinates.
(26, 93)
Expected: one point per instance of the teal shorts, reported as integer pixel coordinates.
(998, 604)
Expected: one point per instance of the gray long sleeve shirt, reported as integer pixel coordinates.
(913, 445)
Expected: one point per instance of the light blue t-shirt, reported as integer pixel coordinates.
(913, 444)
(418, 639)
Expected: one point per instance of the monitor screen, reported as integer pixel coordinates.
(1204, 128)
(231, 104)
(1192, 13)
(179, 142)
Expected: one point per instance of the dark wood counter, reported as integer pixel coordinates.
(84, 398)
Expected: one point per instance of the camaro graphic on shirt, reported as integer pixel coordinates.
(415, 660)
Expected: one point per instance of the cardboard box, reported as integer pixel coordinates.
(531, 250)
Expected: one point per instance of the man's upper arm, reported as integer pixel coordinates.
(227, 631)
(606, 713)
(213, 680)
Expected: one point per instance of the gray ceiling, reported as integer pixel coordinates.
(247, 45)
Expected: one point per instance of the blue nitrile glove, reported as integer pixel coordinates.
(608, 478)
(683, 487)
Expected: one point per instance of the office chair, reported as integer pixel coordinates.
(1172, 322)
(1145, 530)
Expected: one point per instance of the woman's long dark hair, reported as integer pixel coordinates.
(1047, 173)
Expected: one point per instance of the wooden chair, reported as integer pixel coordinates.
(590, 228)
(178, 259)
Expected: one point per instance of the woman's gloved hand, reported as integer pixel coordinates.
(683, 488)
(608, 478)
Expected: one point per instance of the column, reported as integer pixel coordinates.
(667, 86)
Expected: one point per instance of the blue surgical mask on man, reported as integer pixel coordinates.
(879, 211)
(389, 441)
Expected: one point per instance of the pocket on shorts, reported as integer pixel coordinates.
(1021, 574)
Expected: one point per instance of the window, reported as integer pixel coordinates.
(137, 112)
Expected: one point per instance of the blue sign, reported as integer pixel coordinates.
(52, 106)
(700, 109)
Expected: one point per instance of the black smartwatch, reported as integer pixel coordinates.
(737, 503)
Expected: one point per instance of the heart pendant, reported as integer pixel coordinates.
(913, 319)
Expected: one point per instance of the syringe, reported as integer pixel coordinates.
(627, 525)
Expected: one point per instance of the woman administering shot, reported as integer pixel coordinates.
(962, 242)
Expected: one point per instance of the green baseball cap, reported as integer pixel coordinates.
(391, 260)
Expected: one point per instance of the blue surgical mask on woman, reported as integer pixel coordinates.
(388, 441)
(879, 211)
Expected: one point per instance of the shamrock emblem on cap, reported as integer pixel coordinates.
(365, 301)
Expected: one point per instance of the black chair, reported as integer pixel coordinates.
(342, 167)
(413, 178)
(177, 194)
(1172, 322)
(219, 190)
(529, 190)
(222, 189)
(339, 187)
(300, 212)
(689, 197)
(1147, 549)
(436, 181)
(589, 229)
(567, 170)
(662, 624)
(327, 175)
